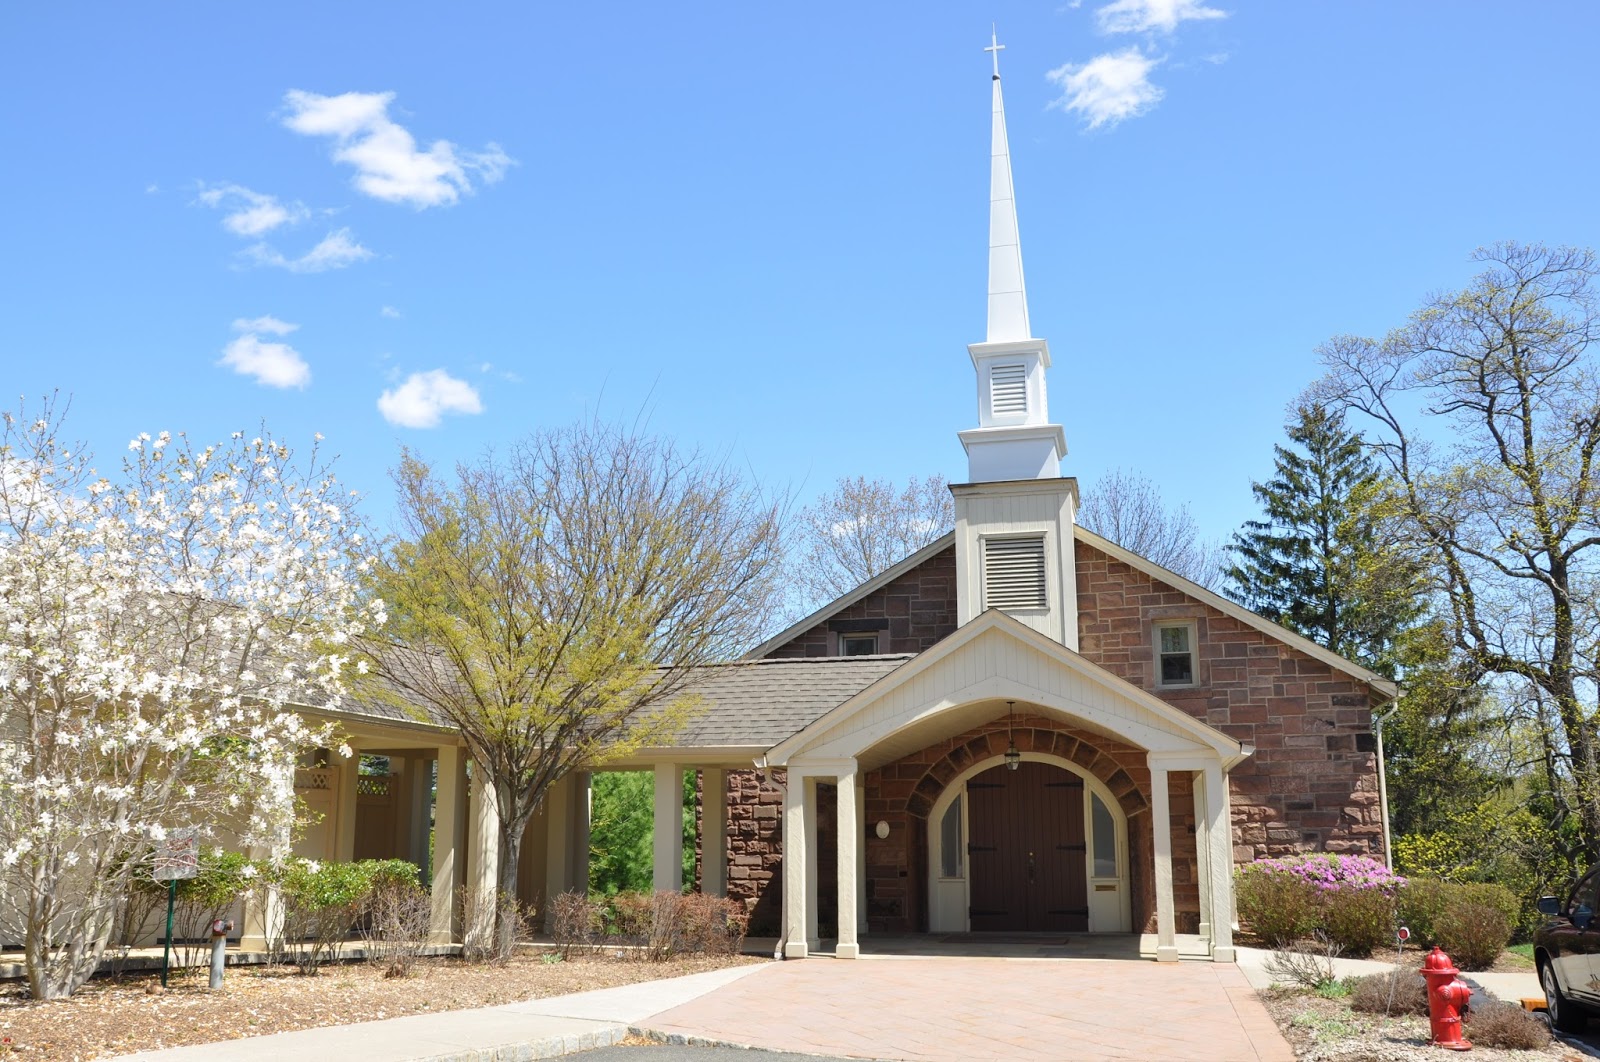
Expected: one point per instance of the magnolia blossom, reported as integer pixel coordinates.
(161, 626)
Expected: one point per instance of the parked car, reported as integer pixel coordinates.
(1567, 951)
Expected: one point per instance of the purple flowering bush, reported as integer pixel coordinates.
(1351, 898)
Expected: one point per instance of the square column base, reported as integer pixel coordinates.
(847, 951)
(1167, 954)
(795, 949)
(1224, 955)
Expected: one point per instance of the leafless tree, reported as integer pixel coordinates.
(858, 529)
(1127, 508)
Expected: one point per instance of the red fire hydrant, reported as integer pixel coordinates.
(1447, 1001)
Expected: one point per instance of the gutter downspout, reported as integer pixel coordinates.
(1383, 781)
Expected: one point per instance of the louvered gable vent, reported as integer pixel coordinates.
(1013, 573)
(1008, 389)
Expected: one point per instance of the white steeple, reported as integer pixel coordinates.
(1014, 438)
(1014, 542)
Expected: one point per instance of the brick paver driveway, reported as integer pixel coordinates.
(973, 1008)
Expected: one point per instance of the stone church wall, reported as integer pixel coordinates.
(1312, 784)
(918, 610)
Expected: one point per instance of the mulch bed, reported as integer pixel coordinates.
(1327, 1030)
(111, 1017)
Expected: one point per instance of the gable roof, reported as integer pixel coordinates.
(1170, 718)
(1238, 612)
(1082, 534)
(850, 597)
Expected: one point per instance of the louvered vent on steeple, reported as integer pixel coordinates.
(1013, 573)
(1008, 389)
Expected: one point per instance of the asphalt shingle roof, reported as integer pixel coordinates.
(761, 702)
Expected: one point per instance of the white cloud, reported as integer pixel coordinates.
(268, 324)
(389, 311)
(272, 364)
(427, 396)
(388, 164)
(337, 250)
(251, 213)
(1109, 88)
(1141, 16)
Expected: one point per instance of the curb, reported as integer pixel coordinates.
(680, 1040)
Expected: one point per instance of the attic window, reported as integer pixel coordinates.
(1013, 573)
(1008, 389)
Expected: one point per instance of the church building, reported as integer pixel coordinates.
(1021, 728)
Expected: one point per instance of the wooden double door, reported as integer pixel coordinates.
(1027, 851)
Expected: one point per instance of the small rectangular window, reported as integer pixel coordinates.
(1175, 652)
(1105, 838)
(858, 644)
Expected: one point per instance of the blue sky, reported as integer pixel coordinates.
(762, 225)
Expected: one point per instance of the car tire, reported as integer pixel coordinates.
(1565, 1015)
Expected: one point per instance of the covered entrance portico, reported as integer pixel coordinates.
(1000, 782)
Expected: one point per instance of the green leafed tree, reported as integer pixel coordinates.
(622, 831)
(1485, 410)
(555, 602)
(1328, 559)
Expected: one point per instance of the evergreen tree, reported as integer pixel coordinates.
(1324, 560)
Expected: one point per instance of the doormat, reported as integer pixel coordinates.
(1039, 940)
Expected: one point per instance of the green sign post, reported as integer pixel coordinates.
(177, 856)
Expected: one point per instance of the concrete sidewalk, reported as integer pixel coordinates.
(1511, 987)
(539, 1028)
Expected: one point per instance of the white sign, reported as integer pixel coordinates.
(177, 856)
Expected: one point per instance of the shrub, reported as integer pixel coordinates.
(493, 924)
(629, 916)
(1350, 897)
(713, 925)
(1307, 964)
(1361, 920)
(575, 921)
(398, 923)
(1507, 1025)
(1278, 908)
(322, 903)
(1399, 991)
(1473, 934)
(1425, 900)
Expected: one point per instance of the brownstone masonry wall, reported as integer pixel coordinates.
(1312, 784)
(755, 848)
(917, 609)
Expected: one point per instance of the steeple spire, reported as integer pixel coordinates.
(1008, 301)
(1014, 439)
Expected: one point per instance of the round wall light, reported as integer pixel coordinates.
(882, 829)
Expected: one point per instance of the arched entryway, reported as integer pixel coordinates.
(1041, 848)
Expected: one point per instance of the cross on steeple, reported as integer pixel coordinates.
(995, 48)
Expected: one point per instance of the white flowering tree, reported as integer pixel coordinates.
(158, 627)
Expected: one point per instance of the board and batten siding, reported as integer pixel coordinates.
(1042, 508)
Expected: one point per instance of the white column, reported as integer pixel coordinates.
(849, 825)
(483, 865)
(449, 841)
(420, 794)
(344, 824)
(795, 843)
(557, 845)
(714, 832)
(582, 807)
(1220, 864)
(669, 828)
(861, 856)
(1202, 852)
(1161, 825)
